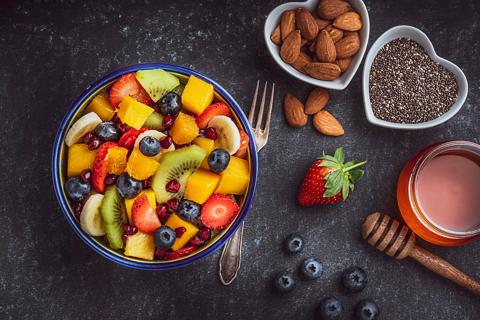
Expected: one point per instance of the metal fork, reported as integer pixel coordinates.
(231, 257)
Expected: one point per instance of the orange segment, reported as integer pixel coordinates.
(116, 160)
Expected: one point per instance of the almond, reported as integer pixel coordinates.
(347, 47)
(306, 24)
(349, 21)
(325, 48)
(344, 63)
(276, 36)
(327, 124)
(287, 23)
(351, 33)
(290, 48)
(301, 61)
(330, 9)
(322, 71)
(303, 42)
(316, 101)
(322, 23)
(335, 34)
(294, 113)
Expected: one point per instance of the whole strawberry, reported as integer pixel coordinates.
(329, 180)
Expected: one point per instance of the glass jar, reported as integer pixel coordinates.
(416, 215)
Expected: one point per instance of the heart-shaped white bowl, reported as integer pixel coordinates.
(342, 82)
(422, 39)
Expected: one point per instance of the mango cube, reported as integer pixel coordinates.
(201, 185)
(208, 145)
(197, 95)
(129, 202)
(116, 160)
(79, 158)
(133, 113)
(174, 222)
(184, 129)
(141, 167)
(235, 178)
(140, 245)
(102, 107)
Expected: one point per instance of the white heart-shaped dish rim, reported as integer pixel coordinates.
(344, 80)
(405, 31)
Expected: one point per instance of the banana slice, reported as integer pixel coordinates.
(228, 136)
(157, 135)
(91, 219)
(81, 127)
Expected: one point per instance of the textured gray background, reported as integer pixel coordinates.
(51, 51)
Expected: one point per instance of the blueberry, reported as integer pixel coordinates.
(311, 268)
(128, 187)
(366, 310)
(164, 237)
(107, 131)
(354, 279)
(188, 210)
(77, 189)
(218, 160)
(170, 104)
(284, 282)
(149, 146)
(330, 309)
(294, 243)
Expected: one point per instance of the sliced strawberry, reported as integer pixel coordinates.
(219, 211)
(99, 170)
(216, 109)
(127, 85)
(144, 216)
(185, 251)
(243, 150)
(128, 136)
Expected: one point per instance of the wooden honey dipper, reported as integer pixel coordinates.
(389, 236)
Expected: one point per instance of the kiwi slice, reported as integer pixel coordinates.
(176, 165)
(114, 217)
(154, 121)
(157, 82)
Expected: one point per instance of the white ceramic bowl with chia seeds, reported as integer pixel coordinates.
(273, 19)
(422, 39)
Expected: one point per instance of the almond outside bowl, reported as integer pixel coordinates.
(342, 82)
(422, 39)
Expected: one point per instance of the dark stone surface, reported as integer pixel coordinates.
(51, 51)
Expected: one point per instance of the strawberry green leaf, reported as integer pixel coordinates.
(330, 158)
(345, 189)
(333, 178)
(355, 175)
(340, 155)
(349, 163)
(330, 164)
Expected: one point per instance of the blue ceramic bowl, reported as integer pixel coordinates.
(59, 169)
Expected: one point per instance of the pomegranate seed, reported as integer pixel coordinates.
(166, 142)
(77, 208)
(111, 179)
(172, 186)
(124, 238)
(86, 175)
(204, 234)
(160, 253)
(88, 137)
(147, 183)
(210, 133)
(130, 142)
(167, 122)
(172, 204)
(180, 231)
(121, 127)
(129, 230)
(162, 211)
(94, 144)
(196, 241)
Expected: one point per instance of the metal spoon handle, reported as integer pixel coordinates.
(231, 257)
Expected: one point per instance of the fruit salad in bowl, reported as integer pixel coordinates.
(155, 166)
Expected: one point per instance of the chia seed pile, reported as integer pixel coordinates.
(407, 86)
